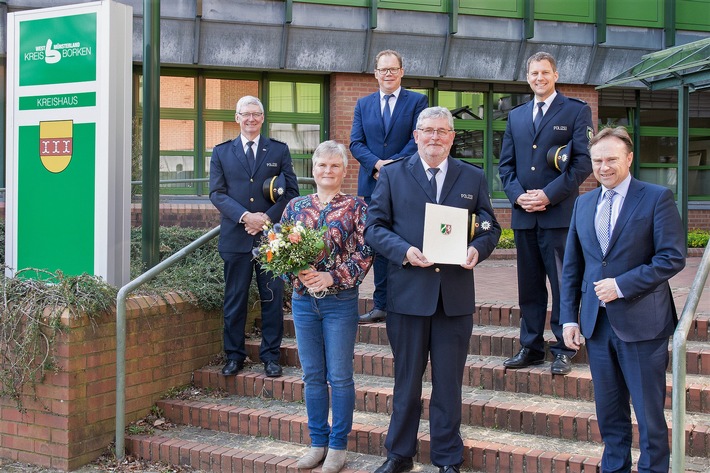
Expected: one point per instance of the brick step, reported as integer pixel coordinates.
(286, 421)
(220, 452)
(496, 315)
(487, 340)
(489, 373)
(512, 412)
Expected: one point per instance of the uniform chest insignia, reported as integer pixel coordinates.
(560, 128)
(272, 165)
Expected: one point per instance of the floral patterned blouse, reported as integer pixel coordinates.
(347, 257)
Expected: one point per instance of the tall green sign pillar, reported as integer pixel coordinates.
(69, 140)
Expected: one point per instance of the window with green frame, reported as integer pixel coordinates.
(657, 136)
(296, 115)
(479, 132)
(197, 113)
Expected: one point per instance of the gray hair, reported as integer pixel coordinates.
(436, 112)
(330, 148)
(249, 100)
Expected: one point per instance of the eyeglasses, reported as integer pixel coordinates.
(385, 70)
(251, 114)
(434, 131)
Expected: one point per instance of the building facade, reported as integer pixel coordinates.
(310, 60)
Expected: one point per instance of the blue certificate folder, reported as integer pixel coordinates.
(445, 234)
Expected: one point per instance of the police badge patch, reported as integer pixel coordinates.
(590, 133)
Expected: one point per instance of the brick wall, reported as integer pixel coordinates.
(73, 419)
(345, 89)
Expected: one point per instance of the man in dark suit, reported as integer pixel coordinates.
(626, 240)
(542, 196)
(238, 169)
(382, 131)
(430, 306)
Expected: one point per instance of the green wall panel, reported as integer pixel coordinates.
(646, 13)
(580, 11)
(498, 8)
(693, 15)
(437, 6)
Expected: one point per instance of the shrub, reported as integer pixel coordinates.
(698, 238)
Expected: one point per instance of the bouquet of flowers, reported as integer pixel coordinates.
(289, 247)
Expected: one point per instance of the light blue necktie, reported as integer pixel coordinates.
(604, 221)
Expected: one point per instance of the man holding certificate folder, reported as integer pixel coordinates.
(430, 303)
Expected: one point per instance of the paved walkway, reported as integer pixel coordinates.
(496, 282)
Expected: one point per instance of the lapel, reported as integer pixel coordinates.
(376, 113)
(528, 116)
(239, 153)
(632, 200)
(553, 110)
(417, 170)
(261, 153)
(452, 173)
(587, 211)
(403, 94)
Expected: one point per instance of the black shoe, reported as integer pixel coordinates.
(375, 315)
(232, 367)
(395, 465)
(562, 364)
(525, 357)
(272, 369)
(449, 469)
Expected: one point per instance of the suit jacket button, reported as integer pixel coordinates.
(603, 263)
(251, 199)
(437, 270)
(251, 180)
(534, 146)
(532, 168)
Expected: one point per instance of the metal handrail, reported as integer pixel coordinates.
(680, 338)
(121, 331)
(301, 180)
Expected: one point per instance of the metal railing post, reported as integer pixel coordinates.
(680, 338)
(121, 331)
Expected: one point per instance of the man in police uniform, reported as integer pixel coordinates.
(543, 196)
(238, 171)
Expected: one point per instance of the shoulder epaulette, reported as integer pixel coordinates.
(519, 105)
(471, 164)
(395, 160)
(225, 142)
(577, 100)
(278, 141)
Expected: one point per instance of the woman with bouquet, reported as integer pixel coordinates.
(325, 304)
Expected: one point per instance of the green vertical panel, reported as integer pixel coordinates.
(646, 13)
(55, 223)
(58, 50)
(439, 6)
(500, 8)
(693, 15)
(580, 11)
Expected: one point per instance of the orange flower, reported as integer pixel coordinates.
(269, 256)
(272, 236)
(294, 237)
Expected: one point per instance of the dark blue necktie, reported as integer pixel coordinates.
(250, 155)
(432, 182)
(387, 113)
(538, 117)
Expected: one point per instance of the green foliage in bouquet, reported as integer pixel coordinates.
(290, 247)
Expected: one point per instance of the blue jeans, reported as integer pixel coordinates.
(325, 333)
